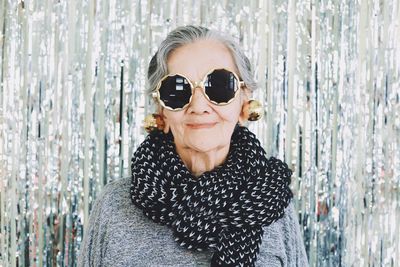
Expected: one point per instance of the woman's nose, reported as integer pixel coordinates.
(199, 103)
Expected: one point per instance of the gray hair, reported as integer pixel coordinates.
(189, 34)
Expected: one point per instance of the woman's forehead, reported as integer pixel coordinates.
(196, 59)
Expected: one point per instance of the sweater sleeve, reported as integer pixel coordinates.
(282, 243)
(92, 248)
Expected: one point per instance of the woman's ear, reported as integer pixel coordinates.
(246, 94)
(245, 97)
(164, 118)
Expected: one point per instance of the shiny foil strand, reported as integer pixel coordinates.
(73, 95)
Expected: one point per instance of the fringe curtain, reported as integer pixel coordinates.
(72, 101)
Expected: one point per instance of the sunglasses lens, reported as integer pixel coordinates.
(175, 91)
(221, 86)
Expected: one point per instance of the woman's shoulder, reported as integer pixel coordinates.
(119, 234)
(285, 235)
(117, 187)
(114, 193)
(283, 227)
(114, 203)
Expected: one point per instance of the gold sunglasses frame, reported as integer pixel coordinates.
(194, 85)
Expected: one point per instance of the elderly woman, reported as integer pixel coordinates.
(202, 191)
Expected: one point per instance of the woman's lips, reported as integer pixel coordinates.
(200, 125)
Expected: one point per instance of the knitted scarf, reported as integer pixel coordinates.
(223, 209)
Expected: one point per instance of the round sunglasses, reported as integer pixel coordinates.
(219, 86)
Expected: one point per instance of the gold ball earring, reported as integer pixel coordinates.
(253, 110)
(152, 122)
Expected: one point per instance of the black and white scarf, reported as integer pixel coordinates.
(223, 209)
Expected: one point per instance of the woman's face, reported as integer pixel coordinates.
(203, 126)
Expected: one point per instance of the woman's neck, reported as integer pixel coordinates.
(200, 162)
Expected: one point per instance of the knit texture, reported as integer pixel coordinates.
(223, 209)
(119, 235)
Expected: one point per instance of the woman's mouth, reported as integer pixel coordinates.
(201, 125)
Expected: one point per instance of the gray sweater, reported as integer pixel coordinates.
(119, 234)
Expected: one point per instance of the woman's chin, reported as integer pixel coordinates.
(203, 148)
(205, 145)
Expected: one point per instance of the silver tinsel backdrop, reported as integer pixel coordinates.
(72, 101)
